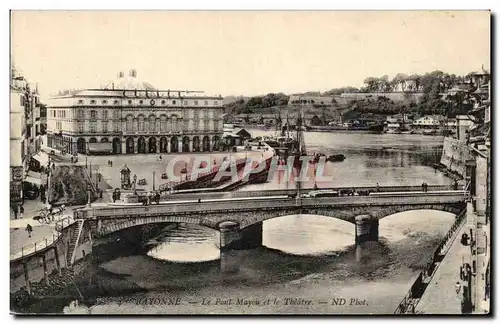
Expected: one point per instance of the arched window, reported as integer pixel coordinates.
(130, 124)
(140, 123)
(163, 124)
(174, 124)
(152, 124)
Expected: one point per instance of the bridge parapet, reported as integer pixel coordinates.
(192, 208)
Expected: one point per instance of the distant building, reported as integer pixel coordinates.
(235, 136)
(428, 122)
(311, 100)
(130, 116)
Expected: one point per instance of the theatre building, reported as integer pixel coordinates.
(129, 116)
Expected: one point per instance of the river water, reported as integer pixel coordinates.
(309, 259)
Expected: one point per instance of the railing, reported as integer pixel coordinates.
(30, 249)
(214, 170)
(34, 247)
(409, 303)
(275, 203)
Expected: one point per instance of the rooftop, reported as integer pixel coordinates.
(129, 82)
(130, 86)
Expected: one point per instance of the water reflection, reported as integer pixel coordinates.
(187, 243)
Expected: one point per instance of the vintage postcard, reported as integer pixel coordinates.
(250, 162)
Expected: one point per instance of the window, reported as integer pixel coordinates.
(59, 125)
(93, 114)
(130, 124)
(185, 102)
(140, 102)
(163, 102)
(80, 102)
(216, 125)
(104, 125)
(130, 102)
(216, 103)
(92, 102)
(173, 102)
(206, 126)
(115, 102)
(93, 126)
(152, 124)
(104, 114)
(140, 123)
(174, 124)
(81, 113)
(196, 102)
(104, 102)
(116, 114)
(206, 102)
(163, 124)
(81, 127)
(116, 126)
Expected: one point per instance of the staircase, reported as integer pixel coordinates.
(73, 243)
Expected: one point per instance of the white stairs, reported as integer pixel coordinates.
(73, 243)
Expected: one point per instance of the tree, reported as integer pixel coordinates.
(371, 84)
(399, 80)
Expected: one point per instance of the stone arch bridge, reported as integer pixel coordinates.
(240, 220)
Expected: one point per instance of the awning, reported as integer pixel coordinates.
(42, 158)
(33, 180)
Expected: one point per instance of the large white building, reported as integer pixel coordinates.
(129, 116)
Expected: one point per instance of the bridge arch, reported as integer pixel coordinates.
(348, 213)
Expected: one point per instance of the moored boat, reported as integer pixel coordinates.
(336, 158)
(429, 132)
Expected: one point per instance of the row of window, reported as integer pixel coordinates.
(130, 126)
(58, 113)
(116, 114)
(152, 102)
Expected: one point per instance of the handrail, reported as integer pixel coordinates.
(408, 303)
(29, 249)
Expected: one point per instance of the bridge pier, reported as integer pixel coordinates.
(232, 238)
(366, 229)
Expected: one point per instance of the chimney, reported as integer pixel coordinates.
(121, 74)
(133, 73)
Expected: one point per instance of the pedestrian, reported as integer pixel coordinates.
(378, 187)
(426, 186)
(53, 166)
(29, 229)
(21, 212)
(14, 208)
(111, 163)
(423, 186)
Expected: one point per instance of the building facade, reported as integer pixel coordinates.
(129, 117)
(25, 135)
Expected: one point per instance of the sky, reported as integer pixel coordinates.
(244, 53)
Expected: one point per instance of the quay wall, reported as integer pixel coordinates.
(34, 265)
(455, 155)
(395, 96)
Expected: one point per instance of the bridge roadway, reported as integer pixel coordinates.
(262, 203)
(203, 194)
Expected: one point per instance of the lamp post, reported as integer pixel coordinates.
(88, 195)
(86, 150)
(153, 181)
